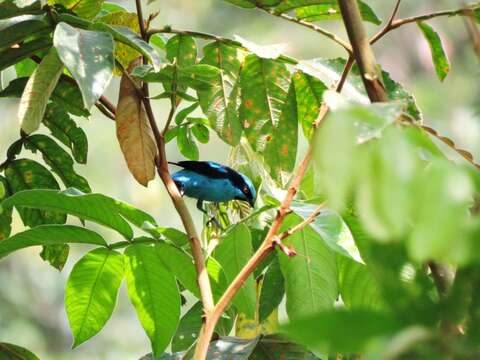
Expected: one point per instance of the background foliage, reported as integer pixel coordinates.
(452, 108)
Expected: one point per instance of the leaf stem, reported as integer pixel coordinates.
(311, 26)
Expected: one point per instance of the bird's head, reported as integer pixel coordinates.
(246, 191)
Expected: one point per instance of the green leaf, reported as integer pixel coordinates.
(98, 208)
(5, 214)
(281, 147)
(233, 252)
(64, 129)
(242, 3)
(25, 174)
(128, 37)
(154, 294)
(329, 72)
(311, 276)
(15, 352)
(186, 144)
(358, 287)
(440, 218)
(182, 114)
(56, 255)
(439, 57)
(337, 146)
(264, 85)
(390, 163)
(88, 55)
(84, 8)
(58, 159)
(325, 10)
(12, 8)
(16, 29)
(180, 265)
(276, 347)
(181, 49)
(26, 67)
(201, 133)
(309, 93)
(91, 292)
(38, 90)
(220, 102)
(177, 237)
(50, 235)
(11, 56)
(272, 291)
(340, 331)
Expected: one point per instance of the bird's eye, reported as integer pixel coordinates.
(245, 189)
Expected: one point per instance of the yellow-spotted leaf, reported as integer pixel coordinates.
(133, 131)
(84, 8)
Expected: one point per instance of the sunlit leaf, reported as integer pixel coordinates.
(50, 235)
(88, 55)
(91, 292)
(186, 144)
(154, 294)
(220, 102)
(439, 57)
(38, 90)
(94, 207)
(264, 85)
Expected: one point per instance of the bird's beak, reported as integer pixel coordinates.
(252, 203)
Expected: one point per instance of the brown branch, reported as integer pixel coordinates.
(269, 243)
(182, 210)
(400, 22)
(364, 57)
(311, 26)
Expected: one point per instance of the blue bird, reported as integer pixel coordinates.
(209, 181)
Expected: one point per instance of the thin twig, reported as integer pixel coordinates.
(207, 36)
(311, 218)
(311, 26)
(182, 210)
(268, 244)
(400, 22)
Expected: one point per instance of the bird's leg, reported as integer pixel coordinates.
(212, 219)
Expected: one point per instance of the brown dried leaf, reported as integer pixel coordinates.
(133, 131)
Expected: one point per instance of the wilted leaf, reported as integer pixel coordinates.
(134, 133)
(38, 90)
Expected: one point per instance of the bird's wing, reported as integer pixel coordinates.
(206, 168)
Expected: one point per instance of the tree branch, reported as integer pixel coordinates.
(362, 50)
(311, 26)
(182, 210)
(465, 11)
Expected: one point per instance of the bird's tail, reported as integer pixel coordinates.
(173, 163)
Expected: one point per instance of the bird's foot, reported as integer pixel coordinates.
(214, 220)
